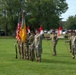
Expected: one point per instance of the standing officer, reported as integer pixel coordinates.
(54, 42)
(72, 40)
(38, 45)
(26, 48)
(69, 38)
(31, 46)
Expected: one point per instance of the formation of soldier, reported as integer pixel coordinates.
(31, 49)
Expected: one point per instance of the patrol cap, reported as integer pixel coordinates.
(72, 31)
(53, 31)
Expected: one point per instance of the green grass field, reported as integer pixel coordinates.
(62, 64)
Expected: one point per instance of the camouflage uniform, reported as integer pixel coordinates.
(54, 42)
(21, 49)
(38, 46)
(31, 47)
(73, 44)
(69, 35)
(26, 47)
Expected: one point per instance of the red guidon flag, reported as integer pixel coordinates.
(28, 29)
(41, 30)
(59, 31)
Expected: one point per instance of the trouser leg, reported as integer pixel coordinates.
(54, 50)
(73, 53)
(38, 56)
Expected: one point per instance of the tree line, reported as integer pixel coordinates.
(37, 12)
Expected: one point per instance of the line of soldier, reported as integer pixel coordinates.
(31, 49)
(71, 40)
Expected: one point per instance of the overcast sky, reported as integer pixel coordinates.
(71, 10)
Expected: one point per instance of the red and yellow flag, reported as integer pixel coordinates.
(23, 32)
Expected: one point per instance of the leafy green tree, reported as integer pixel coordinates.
(45, 12)
(71, 22)
(37, 12)
(9, 20)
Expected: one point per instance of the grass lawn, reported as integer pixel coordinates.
(62, 64)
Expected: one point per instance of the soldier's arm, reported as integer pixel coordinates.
(57, 39)
(51, 37)
(66, 41)
(69, 40)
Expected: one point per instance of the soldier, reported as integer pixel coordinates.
(31, 46)
(38, 45)
(69, 38)
(54, 42)
(72, 40)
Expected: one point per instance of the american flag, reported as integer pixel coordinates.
(18, 30)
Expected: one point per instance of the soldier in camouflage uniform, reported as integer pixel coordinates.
(54, 40)
(31, 46)
(26, 48)
(18, 47)
(69, 36)
(38, 46)
(72, 40)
